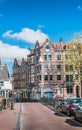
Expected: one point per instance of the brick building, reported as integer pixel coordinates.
(48, 74)
(20, 77)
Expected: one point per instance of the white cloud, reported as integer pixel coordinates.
(79, 8)
(40, 26)
(9, 52)
(27, 35)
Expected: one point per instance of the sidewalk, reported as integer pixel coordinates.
(8, 118)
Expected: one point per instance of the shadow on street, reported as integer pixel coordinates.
(72, 123)
(59, 114)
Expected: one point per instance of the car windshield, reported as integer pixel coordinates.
(76, 101)
(80, 104)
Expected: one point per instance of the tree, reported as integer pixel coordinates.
(75, 53)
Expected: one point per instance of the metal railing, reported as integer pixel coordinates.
(55, 103)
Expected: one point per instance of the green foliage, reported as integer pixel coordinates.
(74, 54)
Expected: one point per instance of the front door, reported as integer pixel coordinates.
(77, 91)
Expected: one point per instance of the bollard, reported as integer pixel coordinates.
(12, 105)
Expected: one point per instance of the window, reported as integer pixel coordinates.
(46, 67)
(31, 61)
(38, 67)
(39, 77)
(59, 90)
(32, 78)
(68, 68)
(1, 84)
(50, 77)
(47, 47)
(58, 77)
(76, 76)
(46, 77)
(32, 70)
(50, 67)
(45, 56)
(69, 78)
(66, 57)
(71, 67)
(58, 67)
(49, 57)
(58, 57)
(69, 89)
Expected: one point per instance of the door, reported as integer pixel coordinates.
(77, 91)
(48, 92)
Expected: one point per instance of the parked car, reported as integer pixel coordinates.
(70, 105)
(78, 113)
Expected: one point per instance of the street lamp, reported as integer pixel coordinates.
(12, 80)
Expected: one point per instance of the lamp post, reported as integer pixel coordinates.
(12, 87)
(12, 100)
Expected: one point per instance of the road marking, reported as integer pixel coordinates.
(19, 121)
(20, 116)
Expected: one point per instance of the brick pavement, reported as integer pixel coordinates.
(9, 118)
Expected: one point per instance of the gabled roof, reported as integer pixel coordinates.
(17, 63)
(42, 44)
(56, 46)
(59, 46)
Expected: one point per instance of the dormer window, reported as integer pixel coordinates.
(47, 47)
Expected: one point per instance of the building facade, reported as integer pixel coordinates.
(20, 77)
(5, 84)
(48, 73)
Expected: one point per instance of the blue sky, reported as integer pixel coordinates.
(22, 22)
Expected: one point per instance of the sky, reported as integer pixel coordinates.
(23, 22)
